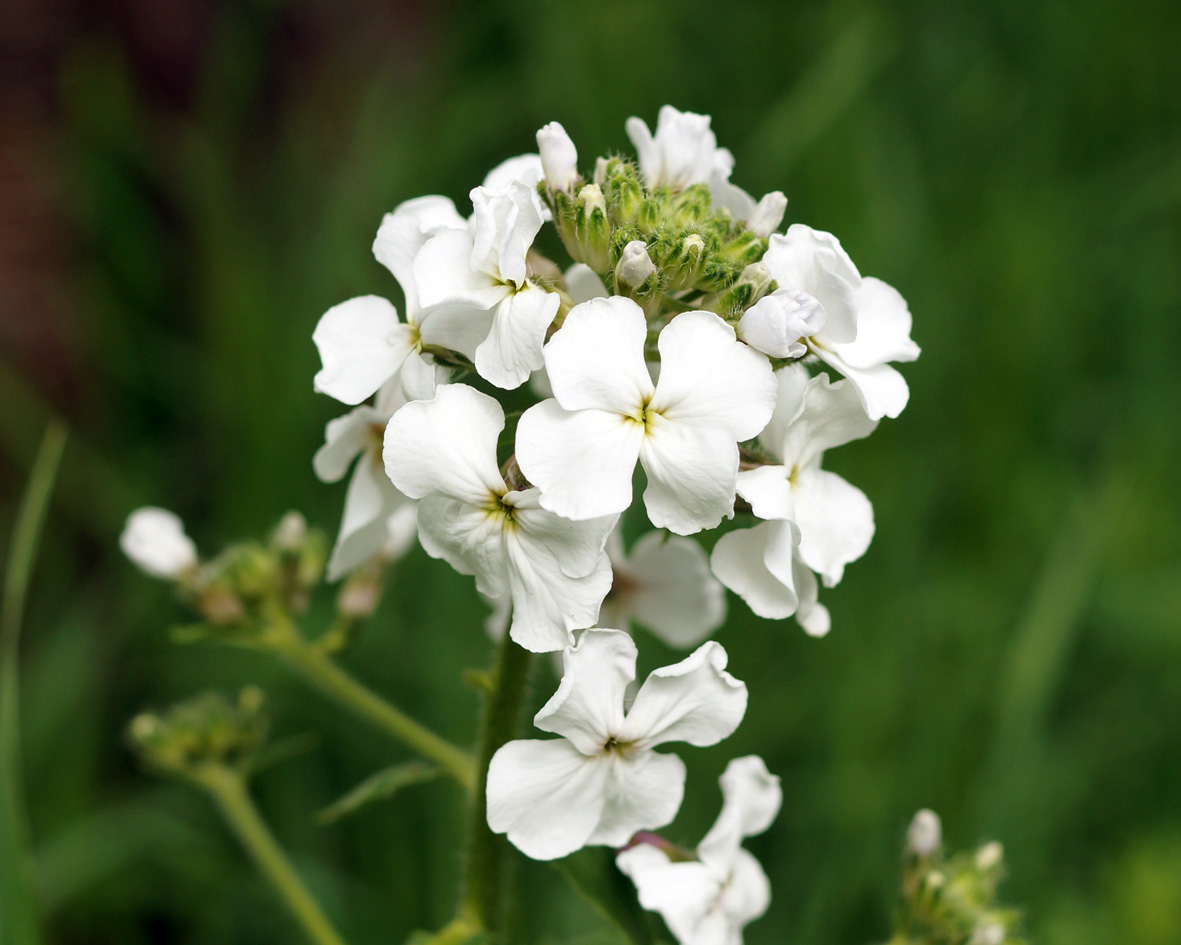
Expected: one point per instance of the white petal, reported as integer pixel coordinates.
(362, 344)
(584, 284)
(577, 547)
(881, 389)
(748, 894)
(683, 893)
(504, 224)
(644, 792)
(460, 326)
(752, 797)
(581, 460)
(739, 560)
(559, 157)
(768, 491)
(791, 384)
(512, 350)
(815, 262)
(524, 168)
(588, 706)
(815, 621)
(776, 323)
(443, 273)
(768, 214)
(831, 416)
(684, 150)
(468, 539)
(422, 377)
(835, 521)
(369, 502)
(812, 616)
(155, 541)
(401, 528)
(709, 378)
(403, 233)
(596, 359)
(694, 701)
(883, 327)
(546, 795)
(446, 446)
(548, 605)
(667, 587)
(345, 438)
(692, 471)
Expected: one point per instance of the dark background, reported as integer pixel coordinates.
(185, 187)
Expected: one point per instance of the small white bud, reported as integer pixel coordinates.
(768, 214)
(925, 833)
(635, 265)
(989, 856)
(559, 157)
(990, 933)
(291, 531)
(155, 541)
(777, 322)
(600, 176)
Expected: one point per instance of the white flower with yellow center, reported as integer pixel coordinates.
(443, 452)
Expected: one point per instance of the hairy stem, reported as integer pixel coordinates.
(331, 679)
(229, 791)
(484, 882)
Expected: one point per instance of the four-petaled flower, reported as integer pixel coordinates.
(602, 781)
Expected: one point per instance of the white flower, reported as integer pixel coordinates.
(155, 541)
(762, 218)
(666, 585)
(526, 169)
(708, 901)
(363, 344)
(559, 157)
(683, 152)
(777, 323)
(866, 322)
(833, 521)
(581, 447)
(483, 271)
(635, 265)
(602, 781)
(372, 502)
(925, 833)
(443, 451)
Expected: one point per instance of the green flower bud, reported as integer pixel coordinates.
(202, 731)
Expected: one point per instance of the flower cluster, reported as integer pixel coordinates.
(687, 337)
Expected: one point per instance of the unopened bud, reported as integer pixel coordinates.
(692, 205)
(925, 833)
(635, 266)
(750, 286)
(685, 266)
(778, 323)
(155, 541)
(600, 176)
(291, 532)
(768, 214)
(559, 157)
(625, 195)
(989, 857)
(745, 248)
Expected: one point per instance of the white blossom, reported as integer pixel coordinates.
(378, 519)
(866, 322)
(709, 900)
(155, 541)
(482, 271)
(666, 585)
(581, 447)
(602, 781)
(363, 344)
(684, 150)
(635, 265)
(777, 324)
(559, 157)
(443, 452)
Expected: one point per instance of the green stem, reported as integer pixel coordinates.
(19, 920)
(484, 882)
(324, 673)
(229, 791)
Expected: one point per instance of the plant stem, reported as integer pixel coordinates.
(484, 882)
(229, 791)
(324, 673)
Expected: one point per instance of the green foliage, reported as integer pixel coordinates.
(593, 873)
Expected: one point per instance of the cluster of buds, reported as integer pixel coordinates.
(208, 730)
(950, 899)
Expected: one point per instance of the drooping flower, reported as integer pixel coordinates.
(155, 541)
(581, 447)
(866, 322)
(815, 520)
(443, 452)
(602, 780)
(483, 271)
(709, 900)
(363, 344)
(665, 584)
(378, 519)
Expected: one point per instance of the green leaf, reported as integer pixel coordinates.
(19, 918)
(379, 787)
(593, 873)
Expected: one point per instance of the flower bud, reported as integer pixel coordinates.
(750, 286)
(989, 857)
(625, 194)
(768, 214)
(155, 541)
(635, 265)
(559, 157)
(291, 532)
(685, 264)
(600, 176)
(777, 323)
(592, 231)
(925, 833)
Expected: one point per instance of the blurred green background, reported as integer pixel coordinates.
(187, 186)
